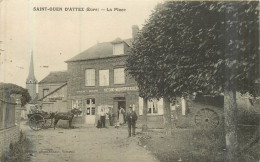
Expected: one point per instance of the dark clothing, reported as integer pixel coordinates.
(103, 121)
(131, 126)
(131, 118)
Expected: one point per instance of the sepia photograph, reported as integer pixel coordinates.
(124, 81)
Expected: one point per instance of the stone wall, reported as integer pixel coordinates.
(9, 132)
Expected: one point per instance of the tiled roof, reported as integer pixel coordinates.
(100, 50)
(55, 77)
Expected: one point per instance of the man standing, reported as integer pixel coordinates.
(131, 118)
(103, 118)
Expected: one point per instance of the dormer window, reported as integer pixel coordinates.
(118, 49)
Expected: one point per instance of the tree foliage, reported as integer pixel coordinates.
(188, 47)
(7, 89)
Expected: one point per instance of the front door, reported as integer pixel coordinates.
(118, 102)
(90, 113)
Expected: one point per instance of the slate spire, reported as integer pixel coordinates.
(31, 77)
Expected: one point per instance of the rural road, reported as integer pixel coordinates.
(85, 144)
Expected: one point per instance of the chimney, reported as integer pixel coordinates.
(135, 30)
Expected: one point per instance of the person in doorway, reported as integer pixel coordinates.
(121, 115)
(103, 118)
(131, 118)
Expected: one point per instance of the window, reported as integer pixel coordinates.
(45, 92)
(152, 106)
(90, 107)
(119, 76)
(78, 104)
(103, 77)
(90, 77)
(118, 49)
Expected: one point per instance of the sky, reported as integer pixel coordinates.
(56, 36)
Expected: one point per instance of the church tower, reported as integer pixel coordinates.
(31, 81)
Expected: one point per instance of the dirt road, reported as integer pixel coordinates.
(86, 144)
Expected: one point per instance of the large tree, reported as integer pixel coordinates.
(206, 47)
(9, 88)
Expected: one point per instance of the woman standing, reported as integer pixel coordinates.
(121, 116)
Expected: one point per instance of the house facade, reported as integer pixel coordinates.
(52, 92)
(97, 79)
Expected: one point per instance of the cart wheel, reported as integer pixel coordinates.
(47, 123)
(36, 122)
(207, 119)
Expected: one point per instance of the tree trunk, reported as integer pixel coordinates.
(145, 107)
(230, 114)
(167, 116)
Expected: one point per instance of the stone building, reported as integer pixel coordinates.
(53, 92)
(97, 79)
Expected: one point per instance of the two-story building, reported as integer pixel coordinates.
(97, 79)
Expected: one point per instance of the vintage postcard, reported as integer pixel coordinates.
(121, 80)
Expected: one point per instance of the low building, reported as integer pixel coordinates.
(53, 92)
(97, 79)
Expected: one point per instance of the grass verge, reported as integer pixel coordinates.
(193, 145)
(18, 151)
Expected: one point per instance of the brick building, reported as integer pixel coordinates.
(97, 79)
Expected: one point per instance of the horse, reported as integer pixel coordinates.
(66, 116)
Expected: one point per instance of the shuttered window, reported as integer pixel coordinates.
(119, 76)
(103, 77)
(90, 77)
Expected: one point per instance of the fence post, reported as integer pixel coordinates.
(18, 108)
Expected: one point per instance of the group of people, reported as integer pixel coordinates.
(130, 117)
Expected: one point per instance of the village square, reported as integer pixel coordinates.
(183, 87)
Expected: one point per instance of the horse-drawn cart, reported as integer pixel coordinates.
(40, 119)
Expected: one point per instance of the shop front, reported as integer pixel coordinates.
(91, 101)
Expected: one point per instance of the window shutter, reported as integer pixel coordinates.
(160, 106)
(90, 77)
(141, 106)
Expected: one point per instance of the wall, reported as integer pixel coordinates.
(32, 89)
(57, 101)
(9, 130)
(51, 88)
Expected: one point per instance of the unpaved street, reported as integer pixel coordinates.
(86, 144)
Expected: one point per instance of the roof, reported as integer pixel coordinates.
(55, 77)
(100, 50)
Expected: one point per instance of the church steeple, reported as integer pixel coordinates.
(31, 77)
(31, 81)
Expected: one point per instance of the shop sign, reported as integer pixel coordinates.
(81, 91)
(120, 89)
(93, 90)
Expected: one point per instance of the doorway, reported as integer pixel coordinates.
(90, 111)
(118, 102)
